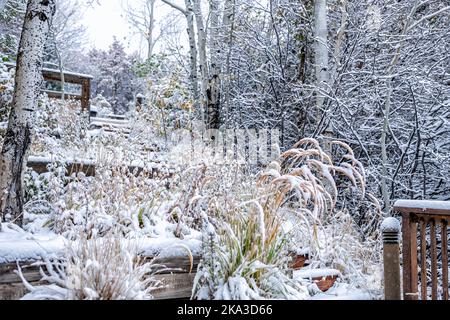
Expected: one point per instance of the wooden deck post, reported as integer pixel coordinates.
(391, 258)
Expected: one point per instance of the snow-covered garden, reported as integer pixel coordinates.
(233, 168)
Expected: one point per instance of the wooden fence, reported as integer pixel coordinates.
(54, 75)
(424, 220)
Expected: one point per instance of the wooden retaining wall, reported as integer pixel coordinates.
(41, 166)
(177, 283)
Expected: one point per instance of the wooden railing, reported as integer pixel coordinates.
(69, 77)
(424, 220)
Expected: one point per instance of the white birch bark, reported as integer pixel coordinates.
(13, 156)
(213, 91)
(321, 52)
(193, 53)
(151, 27)
(227, 40)
(189, 14)
(203, 62)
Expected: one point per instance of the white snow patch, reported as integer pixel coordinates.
(315, 273)
(18, 245)
(423, 204)
(390, 224)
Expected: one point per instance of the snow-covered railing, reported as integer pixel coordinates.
(69, 77)
(422, 220)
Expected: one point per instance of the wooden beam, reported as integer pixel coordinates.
(85, 94)
(173, 272)
(57, 95)
(174, 286)
(41, 166)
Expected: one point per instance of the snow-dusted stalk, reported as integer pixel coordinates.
(38, 18)
(60, 66)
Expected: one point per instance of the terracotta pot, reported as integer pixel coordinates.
(325, 283)
(298, 261)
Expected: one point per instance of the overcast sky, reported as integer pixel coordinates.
(107, 19)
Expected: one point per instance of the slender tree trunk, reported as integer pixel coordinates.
(193, 54)
(321, 53)
(151, 8)
(61, 68)
(213, 90)
(203, 62)
(189, 14)
(227, 40)
(13, 156)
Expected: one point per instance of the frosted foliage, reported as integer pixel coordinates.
(91, 270)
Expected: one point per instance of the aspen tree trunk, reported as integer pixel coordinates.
(227, 40)
(192, 53)
(151, 8)
(213, 91)
(321, 52)
(203, 62)
(13, 157)
(188, 12)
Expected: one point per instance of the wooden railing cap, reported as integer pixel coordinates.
(423, 206)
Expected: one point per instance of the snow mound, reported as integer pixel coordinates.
(390, 225)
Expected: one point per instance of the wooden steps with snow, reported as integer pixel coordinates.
(111, 123)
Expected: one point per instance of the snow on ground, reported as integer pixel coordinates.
(19, 245)
(344, 291)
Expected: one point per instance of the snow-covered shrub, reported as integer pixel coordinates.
(97, 269)
(299, 203)
(169, 103)
(244, 247)
(102, 105)
(247, 258)
(57, 125)
(314, 188)
(114, 199)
